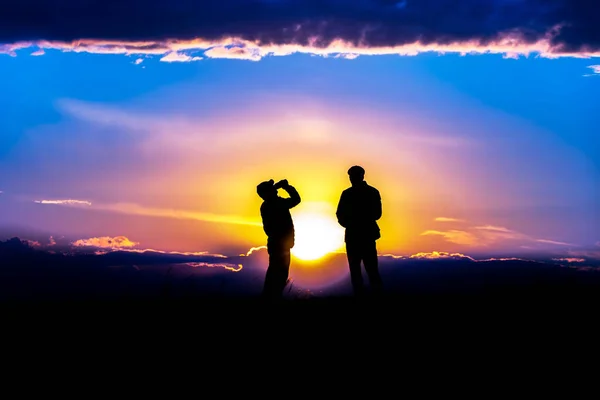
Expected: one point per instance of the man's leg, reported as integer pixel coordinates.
(277, 273)
(354, 254)
(285, 270)
(269, 288)
(372, 266)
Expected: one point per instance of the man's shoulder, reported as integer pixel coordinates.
(359, 191)
(372, 189)
(348, 191)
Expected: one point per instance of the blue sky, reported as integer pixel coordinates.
(477, 121)
(534, 115)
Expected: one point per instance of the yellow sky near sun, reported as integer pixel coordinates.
(217, 177)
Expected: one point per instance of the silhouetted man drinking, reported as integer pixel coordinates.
(279, 227)
(358, 210)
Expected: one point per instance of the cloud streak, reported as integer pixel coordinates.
(254, 29)
(436, 255)
(106, 242)
(136, 209)
(175, 56)
(595, 70)
(68, 202)
(493, 228)
(229, 267)
(553, 242)
(454, 236)
(242, 52)
(446, 219)
(485, 235)
(570, 260)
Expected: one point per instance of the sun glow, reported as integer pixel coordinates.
(317, 234)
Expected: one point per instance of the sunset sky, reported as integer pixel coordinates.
(155, 122)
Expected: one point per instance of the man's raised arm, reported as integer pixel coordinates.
(294, 199)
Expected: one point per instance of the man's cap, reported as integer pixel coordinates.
(264, 186)
(356, 170)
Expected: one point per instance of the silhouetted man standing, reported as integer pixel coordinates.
(279, 227)
(358, 211)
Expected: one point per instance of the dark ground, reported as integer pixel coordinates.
(523, 309)
(345, 343)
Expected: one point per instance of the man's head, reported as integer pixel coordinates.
(266, 189)
(356, 174)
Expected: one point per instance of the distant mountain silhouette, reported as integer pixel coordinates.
(31, 273)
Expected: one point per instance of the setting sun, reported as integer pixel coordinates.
(317, 234)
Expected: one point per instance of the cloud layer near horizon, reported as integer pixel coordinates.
(252, 29)
(486, 235)
(147, 272)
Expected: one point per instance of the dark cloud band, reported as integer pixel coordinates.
(315, 23)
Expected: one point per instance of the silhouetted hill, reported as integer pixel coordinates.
(30, 273)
